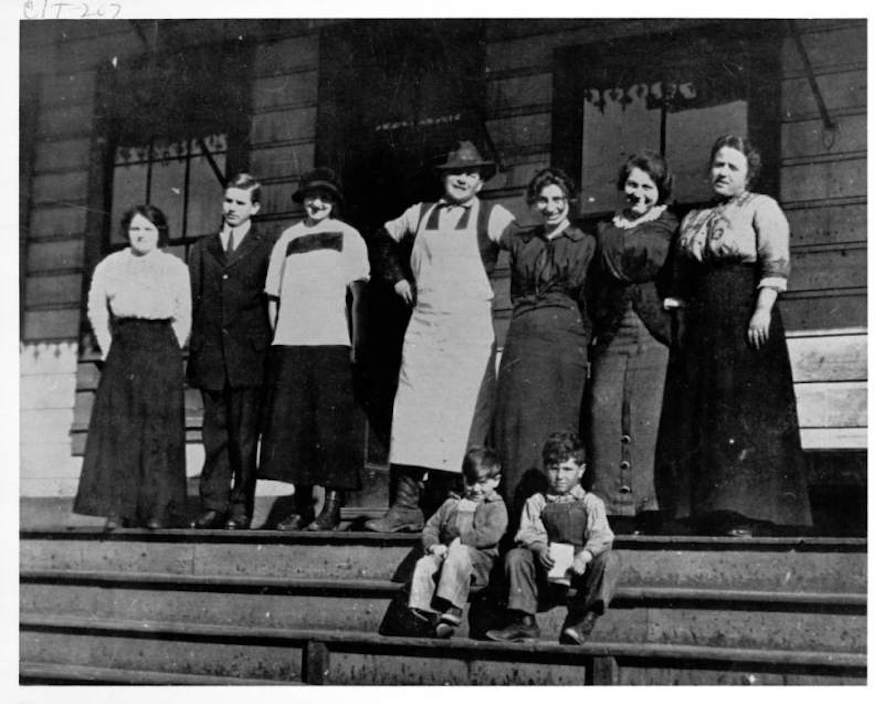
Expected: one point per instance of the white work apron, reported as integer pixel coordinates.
(446, 349)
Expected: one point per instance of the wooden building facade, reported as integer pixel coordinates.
(118, 112)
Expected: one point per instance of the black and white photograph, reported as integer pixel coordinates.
(506, 345)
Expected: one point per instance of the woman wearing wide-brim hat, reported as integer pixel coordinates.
(444, 400)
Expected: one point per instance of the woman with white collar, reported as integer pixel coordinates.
(631, 335)
(543, 367)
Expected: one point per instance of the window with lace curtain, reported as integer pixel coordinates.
(673, 93)
(181, 177)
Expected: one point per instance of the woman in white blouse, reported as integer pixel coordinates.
(139, 308)
(733, 440)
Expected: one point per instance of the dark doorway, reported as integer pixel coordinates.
(393, 97)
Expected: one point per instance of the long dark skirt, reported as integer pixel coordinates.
(539, 390)
(626, 396)
(311, 428)
(134, 465)
(731, 439)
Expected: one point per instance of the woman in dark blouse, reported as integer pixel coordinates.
(631, 334)
(543, 369)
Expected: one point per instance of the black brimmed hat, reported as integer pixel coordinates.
(321, 179)
(466, 156)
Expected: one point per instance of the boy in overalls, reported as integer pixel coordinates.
(566, 515)
(460, 541)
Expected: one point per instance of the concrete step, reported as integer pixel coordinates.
(770, 564)
(44, 673)
(733, 618)
(352, 658)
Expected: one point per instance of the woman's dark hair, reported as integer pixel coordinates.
(562, 446)
(550, 177)
(151, 213)
(480, 459)
(654, 166)
(746, 148)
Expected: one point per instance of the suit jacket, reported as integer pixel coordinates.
(231, 333)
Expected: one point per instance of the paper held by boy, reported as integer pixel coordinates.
(562, 555)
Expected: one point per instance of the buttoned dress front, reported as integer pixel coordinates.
(629, 359)
(450, 337)
(543, 367)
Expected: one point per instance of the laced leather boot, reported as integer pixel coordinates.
(330, 516)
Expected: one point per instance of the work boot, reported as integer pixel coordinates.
(330, 516)
(522, 629)
(405, 514)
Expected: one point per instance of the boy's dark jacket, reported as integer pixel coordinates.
(231, 332)
(481, 530)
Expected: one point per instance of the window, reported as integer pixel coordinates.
(183, 178)
(673, 93)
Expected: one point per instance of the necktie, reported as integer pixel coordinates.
(229, 249)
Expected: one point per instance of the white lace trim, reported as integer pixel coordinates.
(626, 224)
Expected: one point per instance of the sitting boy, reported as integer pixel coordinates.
(460, 540)
(566, 515)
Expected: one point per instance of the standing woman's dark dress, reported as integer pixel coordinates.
(735, 419)
(134, 465)
(543, 368)
(629, 357)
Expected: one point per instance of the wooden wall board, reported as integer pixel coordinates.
(832, 309)
(61, 154)
(286, 161)
(287, 55)
(60, 324)
(55, 255)
(844, 89)
(835, 179)
(829, 358)
(283, 126)
(54, 289)
(828, 225)
(60, 188)
(271, 92)
(57, 221)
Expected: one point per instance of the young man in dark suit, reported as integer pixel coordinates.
(228, 346)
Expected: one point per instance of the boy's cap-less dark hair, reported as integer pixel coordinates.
(561, 446)
(477, 460)
(245, 182)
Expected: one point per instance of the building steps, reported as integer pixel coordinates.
(264, 605)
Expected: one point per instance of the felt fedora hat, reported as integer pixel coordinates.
(321, 179)
(465, 156)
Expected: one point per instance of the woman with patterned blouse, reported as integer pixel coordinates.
(735, 446)
(543, 368)
(631, 334)
(139, 308)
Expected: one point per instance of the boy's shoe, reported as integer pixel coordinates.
(448, 622)
(427, 618)
(522, 630)
(577, 633)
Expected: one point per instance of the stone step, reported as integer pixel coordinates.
(45, 673)
(736, 618)
(351, 658)
(771, 564)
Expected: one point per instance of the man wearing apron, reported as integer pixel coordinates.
(444, 400)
